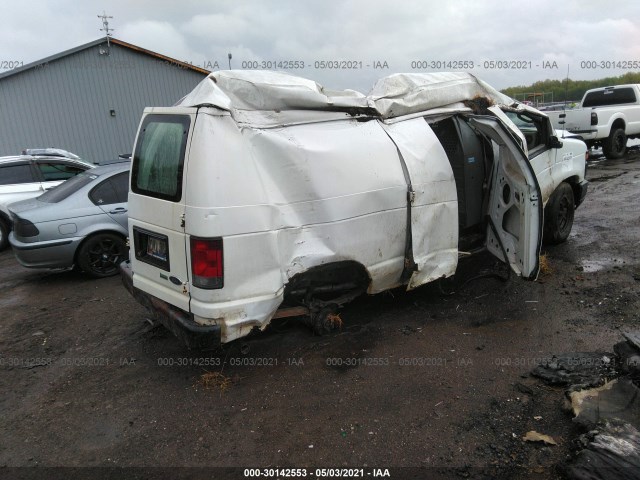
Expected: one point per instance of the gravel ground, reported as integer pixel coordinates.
(435, 380)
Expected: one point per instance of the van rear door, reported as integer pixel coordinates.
(157, 206)
(514, 233)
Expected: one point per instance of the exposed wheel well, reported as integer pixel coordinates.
(336, 282)
(574, 183)
(618, 123)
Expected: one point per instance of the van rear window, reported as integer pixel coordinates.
(609, 96)
(159, 157)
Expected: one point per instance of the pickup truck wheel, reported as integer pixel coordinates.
(558, 215)
(101, 255)
(4, 235)
(615, 144)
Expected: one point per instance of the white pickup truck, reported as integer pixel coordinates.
(607, 117)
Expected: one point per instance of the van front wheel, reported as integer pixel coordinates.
(325, 320)
(558, 214)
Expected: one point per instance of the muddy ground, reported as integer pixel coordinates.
(435, 379)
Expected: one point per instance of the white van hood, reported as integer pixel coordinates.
(393, 96)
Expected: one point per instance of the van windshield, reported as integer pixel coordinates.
(159, 157)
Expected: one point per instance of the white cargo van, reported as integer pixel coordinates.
(263, 195)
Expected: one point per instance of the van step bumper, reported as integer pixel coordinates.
(177, 321)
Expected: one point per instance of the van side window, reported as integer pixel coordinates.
(159, 157)
(533, 128)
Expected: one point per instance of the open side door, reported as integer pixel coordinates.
(522, 141)
(514, 233)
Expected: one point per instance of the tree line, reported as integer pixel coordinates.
(573, 89)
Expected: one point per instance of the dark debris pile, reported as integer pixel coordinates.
(603, 390)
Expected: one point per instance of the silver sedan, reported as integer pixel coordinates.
(81, 222)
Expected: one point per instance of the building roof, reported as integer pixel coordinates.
(97, 42)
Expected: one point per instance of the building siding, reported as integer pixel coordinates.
(66, 103)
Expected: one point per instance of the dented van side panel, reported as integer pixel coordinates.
(288, 199)
(433, 201)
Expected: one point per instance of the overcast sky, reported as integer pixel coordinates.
(530, 35)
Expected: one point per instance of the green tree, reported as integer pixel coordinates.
(574, 89)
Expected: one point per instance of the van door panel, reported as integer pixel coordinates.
(161, 236)
(514, 233)
(433, 201)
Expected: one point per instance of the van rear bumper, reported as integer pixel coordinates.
(179, 322)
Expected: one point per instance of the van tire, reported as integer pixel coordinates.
(4, 235)
(558, 215)
(324, 321)
(100, 255)
(615, 145)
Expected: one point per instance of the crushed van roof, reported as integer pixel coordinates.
(393, 96)
(266, 90)
(405, 93)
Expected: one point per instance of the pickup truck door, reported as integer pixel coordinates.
(514, 232)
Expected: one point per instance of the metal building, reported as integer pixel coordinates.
(89, 99)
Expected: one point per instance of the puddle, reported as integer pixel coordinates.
(14, 299)
(590, 266)
(604, 178)
(596, 156)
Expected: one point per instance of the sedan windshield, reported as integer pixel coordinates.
(62, 191)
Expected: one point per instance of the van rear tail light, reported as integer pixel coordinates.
(594, 118)
(207, 267)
